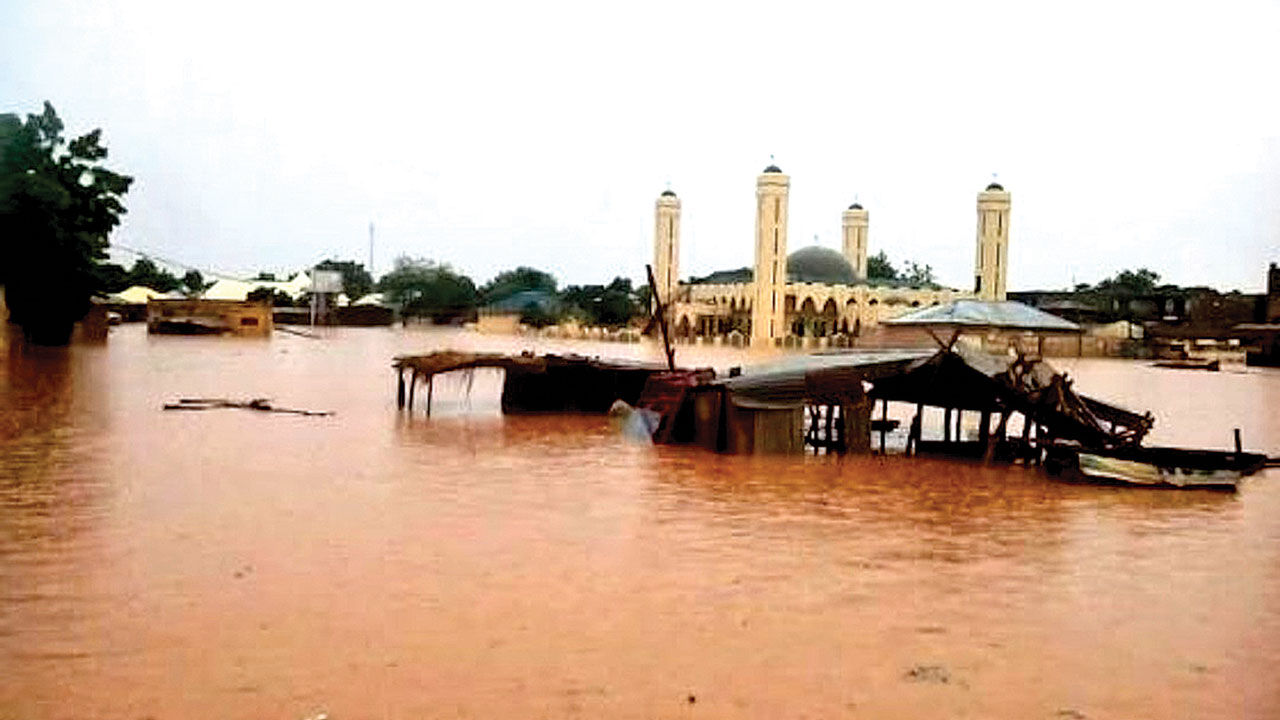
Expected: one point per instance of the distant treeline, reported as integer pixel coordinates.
(425, 288)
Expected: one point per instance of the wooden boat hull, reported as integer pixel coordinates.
(1132, 472)
(1156, 467)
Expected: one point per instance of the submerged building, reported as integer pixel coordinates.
(815, 292)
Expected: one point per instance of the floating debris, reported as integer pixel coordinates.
(259, 404)
(929, 673)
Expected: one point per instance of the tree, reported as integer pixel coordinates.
(193, 281)
(1131, 282)
(146, 273)
(356, 281)
(879, 267)
(612, 305)
(424, 287)
(270, 295)
(510, 282)
(58, 205)
(918, 275)
(112, 278)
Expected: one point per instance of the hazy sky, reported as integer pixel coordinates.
(489, 135)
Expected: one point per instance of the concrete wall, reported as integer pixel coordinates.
(234, 316)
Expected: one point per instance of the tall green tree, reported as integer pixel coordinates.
(147, 274)
(608, 305)
(427, 288)
(1131, 282)
(356, 281)
(58, 205)
(194, 282)
(510, 282)
(918, 275)
(879, 267)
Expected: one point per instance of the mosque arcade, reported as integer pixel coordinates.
(814, 292)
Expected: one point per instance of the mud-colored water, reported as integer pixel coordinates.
(231, 564)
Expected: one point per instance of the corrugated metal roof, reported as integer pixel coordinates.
(986, 313)
(790, 382)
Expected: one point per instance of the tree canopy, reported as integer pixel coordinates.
(58, 205)
(146, 273)
(607, 305)
(510, 282)
(1132, 282)
(425, 287)
(356, 281)
(879, 267)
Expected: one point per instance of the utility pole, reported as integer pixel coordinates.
(371, 249)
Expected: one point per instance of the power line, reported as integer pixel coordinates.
(186, 266)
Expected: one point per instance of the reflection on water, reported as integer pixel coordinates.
(374, 564)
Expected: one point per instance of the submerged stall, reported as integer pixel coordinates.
(1019, 408)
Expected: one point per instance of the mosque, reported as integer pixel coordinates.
(814, 292)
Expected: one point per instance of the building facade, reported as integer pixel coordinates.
(814, 292)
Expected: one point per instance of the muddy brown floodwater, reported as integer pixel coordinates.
(232, 564)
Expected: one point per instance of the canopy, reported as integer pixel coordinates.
(809, 378)
(1005, 314)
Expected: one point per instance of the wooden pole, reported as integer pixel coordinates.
(662, 319)
(430, 387)
(946, 425)
(413, 387)
(1239, 446)
(400, 388)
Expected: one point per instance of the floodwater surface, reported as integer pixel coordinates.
(371, 564)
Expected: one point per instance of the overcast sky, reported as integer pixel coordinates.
(489, 135)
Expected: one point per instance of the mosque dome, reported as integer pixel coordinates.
(773, 169)
(816, 264)
(855, 206)
(668, 193)
(995, 186)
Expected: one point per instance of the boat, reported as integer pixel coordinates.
(1211, 365)
(1155, 466)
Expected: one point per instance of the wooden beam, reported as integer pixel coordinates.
(430, 387)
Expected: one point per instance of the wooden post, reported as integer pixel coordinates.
(430, 386)
(986, 438)
(855, 419)
(400, 388)
(413, 387)
(959, 415)
(662, 319)
(1239, 446)
(916, 432)
(946, 425)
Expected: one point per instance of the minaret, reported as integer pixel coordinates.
(855, 240)
(666, 246)
(991, 270)
(768, 309)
